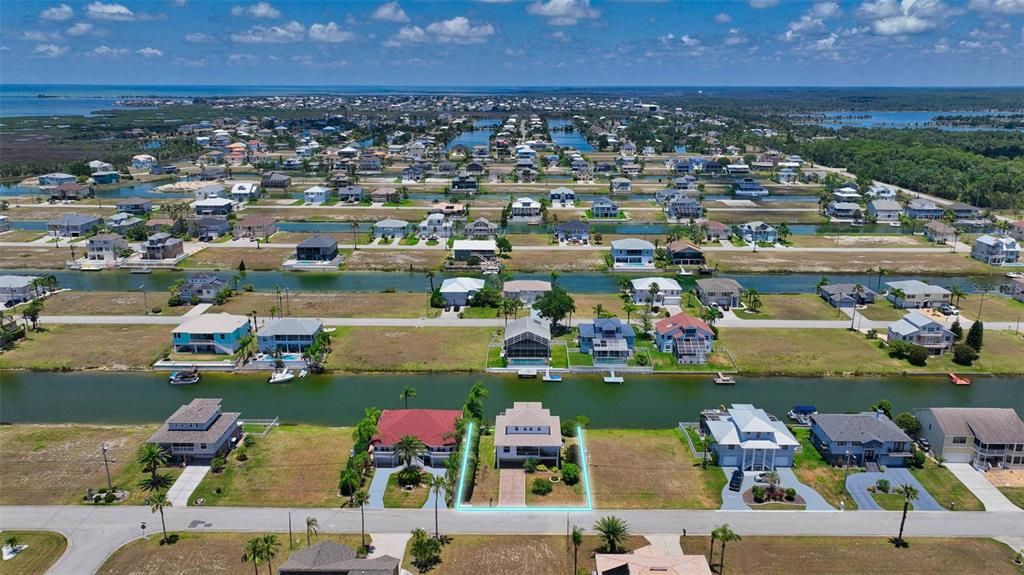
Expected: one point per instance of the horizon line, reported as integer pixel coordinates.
(536, 86)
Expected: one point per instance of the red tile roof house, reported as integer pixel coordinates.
(434, 427)
(689, 339)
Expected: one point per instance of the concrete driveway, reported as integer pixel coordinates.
(512, 488)
(858, 483)
(186, 483)
(981, 487)
(733, 501)
(379, 484)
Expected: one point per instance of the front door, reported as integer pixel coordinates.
(869, 455)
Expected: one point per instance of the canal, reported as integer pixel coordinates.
(643, 401)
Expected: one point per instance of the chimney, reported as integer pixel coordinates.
(879, 414)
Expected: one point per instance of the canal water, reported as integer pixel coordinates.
(589, 282)
(142, 190)
(643, 401)
(564, 139)
(479, 135)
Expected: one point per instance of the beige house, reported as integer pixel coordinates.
(982, 436)
(526, 291)
(649, 561)
(528, 430)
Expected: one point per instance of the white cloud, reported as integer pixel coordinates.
(723, 18)
(198, 37)
(79, 29)
(903, 17)
(735, 37)
(179, 3)
(459, 30)
(290, 32)
(148, 52)
(564, 12)
(827, 43)
(108, 52)
(329, 32)
(813, 21)
(57, 13)
(390, 12)
(826, 10)
(39, 36)
(516, 52)
(112, 12)
(242, 59)
(259, 10)
(997, 6)
(49, 50)
(691, 41)
(408, 34)
(759, 4)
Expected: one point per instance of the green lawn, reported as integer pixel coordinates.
(814, 471)
(470, 312)
(494, 358)
(882, 310)
(1000, 355)
(559, 355)
(1014, 494)
(44, 548)
(811, 352)
(946, 488)
(130, 476)
(890, 501)
(792, 306)
(582, 359)
(663, 361)
(394, 496)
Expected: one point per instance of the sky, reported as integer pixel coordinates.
(515, 43)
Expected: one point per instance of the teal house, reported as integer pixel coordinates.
(219, 333)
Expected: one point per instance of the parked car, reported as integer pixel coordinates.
(736, 481)
(949, 309)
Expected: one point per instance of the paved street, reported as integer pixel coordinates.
(982, 488)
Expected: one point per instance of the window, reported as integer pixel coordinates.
(506, 449)
(960, 440)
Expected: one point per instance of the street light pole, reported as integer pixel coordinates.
(106, 466)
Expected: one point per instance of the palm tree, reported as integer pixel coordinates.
(652, 291)
(755, 303)
(613, 532)
(897, 294)
(517, 305)
(598, 311)
(508, 306)
(361, 498)
(437, 484)
(158, 502)
(408, 449)
(725, 535)
(709, 315)
(554, 278)
(430, 278)
(624, 285)
(408, 393)
(156, 482)
(269, 545)
(311, 529)
(909, 493)
(714, 536)
(253, 551)
(355, 235)
(577, 540)
(957, 292)
(151, 457)
(750, 294)
(629, 307)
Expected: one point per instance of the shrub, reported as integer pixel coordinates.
(541, 486)
(248, 440)
(156, 309)
(790, 494)
(883, 485)
(918, 355)
(241, 455)
(572, 454)
(918, 459)
(759, 493)
(102, 490)
(568, 428)
(109, 498)
(582, 421)
(642, 359)
(570, 473)
(409, 476)
(217, 464)
(964, 354)
(530, 465)
(249, 288)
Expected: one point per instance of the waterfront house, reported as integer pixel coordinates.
(940, 232)
(963, 211)
(275, 180)
(667, 291)
(216, 333)
(316, 195)
(386, 196)
(1015, 289)
(1016, 230)
(134, 206)
(575, 230)
(165, 170)
(256, 227)
(449, 210)
(748, 187)
(208, 191)
(481, 229)
(843, 210)
(859, 438)
(330, 558)
(350, 194)
(74, 225)
(16, 289)
(685, 184)
(996, 250)
(105, 177)
(457, 291)
(985, 437)
(604, 208)
(687, 338)
(684, 253)
(527, 341)
(847, 194)
(562, 195)
(919, 329)
(463, 250)
(666, 195)
(198, 431)
(649, 560)
(721, 291)
(435, 428)
(683, 207)
(633, 253)
(527, 431)
(201, 287)
(208, 227)
(436, 225)
(526, 291)
(71, 191)
(464, 184)
(911, 294)
(369, 164)
(476, 169)
(748, 438)
(846, 295)
(621, 186)
(105, 247)
(99, 166)
(213, 173)
(212, 207)
(390, 228)
(717, 231)
(758, 232)
(608, 340)
(884, 210)
(5, 224)
(245, 191)
(786, 176)
(920, 209)
(525, 209)
(161, 246)
(122, 223)
(317, 249)
(288, 334)
(881, 192)
(143, 162)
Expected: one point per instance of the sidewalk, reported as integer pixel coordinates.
(186, 484)
(979, 485)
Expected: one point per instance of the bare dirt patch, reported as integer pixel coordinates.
(44, 257)
(853, 262)
(409, 349)
(395, 260)
(108, 302)
(333, 304)
(229, 258)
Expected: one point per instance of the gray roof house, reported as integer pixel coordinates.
(916, 294)
(846, 295)
(917, 328)
(317, 249)
(749, 438)
(528, 341)
(983, 436)
(722, 291)
(74, 225)
(885, 210)
(198, 431)
(391, 228)
(288, 334)
(330, 558)
(481, 229)
(860, 438)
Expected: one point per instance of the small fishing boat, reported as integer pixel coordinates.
(612, 378)
(705, 270)
(1014, 275)
(722, 379)
(802, 413)
(184, 377)
(527, 373)
(895, 224)
(684, 272)
(281, 376)
(549, 377)
(958, 380)
(303, 374)
(140, 271)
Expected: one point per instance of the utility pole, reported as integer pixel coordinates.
(290, 538)
(145, 303)
(106, 466)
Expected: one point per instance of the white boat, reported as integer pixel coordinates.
(303, 374)
(612, 378)
(1014, 275)
(184, 377)
(723, 379)
(549, 377)
(684, 272)
(281, 376)
(527, 373)
(140, 271)
(895, 224)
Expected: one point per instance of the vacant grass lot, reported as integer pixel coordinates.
(567, 260)
(649, 469)
(946, 488)
(485, 490)
(56, 464)
(48, 257)
(767, 215)
(852, 262)
(812, 470)
(333, 304)
(882, 310)
(859, 556)
(1000, 354)
(76, 347)
(262, 259)
(806, 352)
(995, 308)
(21, 235)
(792, 306)
(343, 238)
(515, 555)
(46, 213)
(540, 239)
(417, 260)
(294, 466)
(44, 549)
(335, 214)
(859, 241)
(108, 302)
(408, 349)
(200, 554)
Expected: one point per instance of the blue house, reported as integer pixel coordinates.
(218, 333)
(860, 438)
(109, 177)
(632, 253)
(604, 208)
(288, 334)
(919, 209)
(609, 340)
(757, 232)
